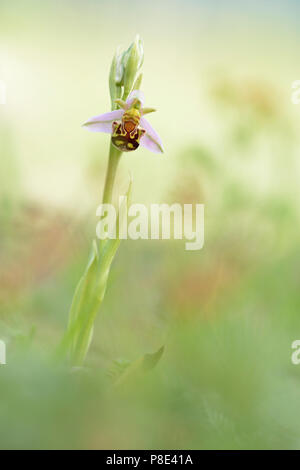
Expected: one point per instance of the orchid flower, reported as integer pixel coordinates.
(127, 125)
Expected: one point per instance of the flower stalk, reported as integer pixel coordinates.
(113, 163)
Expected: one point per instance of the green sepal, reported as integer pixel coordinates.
(115, 87)
(142, 364)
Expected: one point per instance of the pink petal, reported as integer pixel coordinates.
(136, 94)
(151, 139)
(103, 123)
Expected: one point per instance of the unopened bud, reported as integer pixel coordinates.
(132, 64)
(124, 70)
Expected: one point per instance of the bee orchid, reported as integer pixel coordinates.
(127, 125)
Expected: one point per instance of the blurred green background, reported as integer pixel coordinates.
(220, 75)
